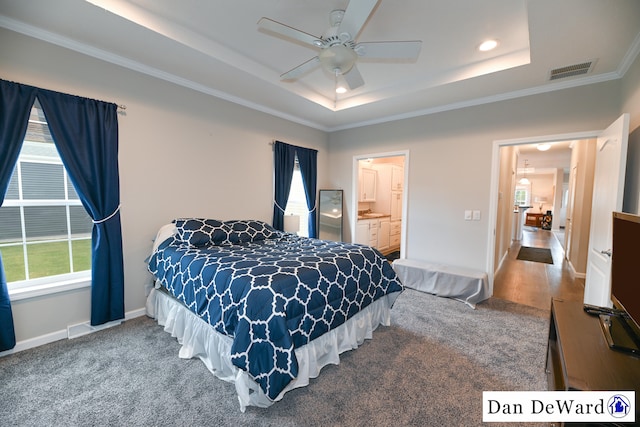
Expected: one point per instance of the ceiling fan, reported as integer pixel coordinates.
(339, 50)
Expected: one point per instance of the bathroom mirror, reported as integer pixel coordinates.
(330, 215)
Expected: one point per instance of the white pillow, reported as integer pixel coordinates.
(164, 233)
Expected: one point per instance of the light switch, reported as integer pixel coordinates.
(467, 215)
(476, 215)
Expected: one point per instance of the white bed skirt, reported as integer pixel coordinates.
(198, 339)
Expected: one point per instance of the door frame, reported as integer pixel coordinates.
(494, 190)
(405, 192)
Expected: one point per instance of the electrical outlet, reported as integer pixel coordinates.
(467, 215)
(476, 215)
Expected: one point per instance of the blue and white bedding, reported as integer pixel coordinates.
(271, 292)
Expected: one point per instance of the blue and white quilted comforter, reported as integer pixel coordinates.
(270, 291)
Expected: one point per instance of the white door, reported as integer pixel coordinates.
(608, 191)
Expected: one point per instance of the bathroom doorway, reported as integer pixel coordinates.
(380, 202)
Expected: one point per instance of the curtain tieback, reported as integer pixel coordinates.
(100, 221)
(279, 207)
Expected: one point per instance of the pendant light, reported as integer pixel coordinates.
(524, 180)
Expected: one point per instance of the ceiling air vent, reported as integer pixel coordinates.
(571, 70)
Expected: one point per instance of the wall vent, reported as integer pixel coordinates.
(75, 331)
(571, 70)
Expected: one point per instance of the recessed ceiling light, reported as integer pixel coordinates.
(488, 45)
(341, 89)
(543, 147)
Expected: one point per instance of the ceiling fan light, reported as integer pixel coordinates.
(341, 89)
(338, 58)
(524, 181)
(543, 147)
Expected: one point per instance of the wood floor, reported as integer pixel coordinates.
(535, 283)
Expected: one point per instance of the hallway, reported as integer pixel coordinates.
(534, 283)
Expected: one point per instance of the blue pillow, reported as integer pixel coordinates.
(203, 232)
(250, 230)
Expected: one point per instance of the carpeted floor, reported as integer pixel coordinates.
(528, 253)
(428, 368)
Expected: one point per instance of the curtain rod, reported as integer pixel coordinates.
(119, 106)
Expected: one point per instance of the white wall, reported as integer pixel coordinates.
(630, 92)
(181, 153)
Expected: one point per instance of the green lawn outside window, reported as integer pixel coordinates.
(45, 259)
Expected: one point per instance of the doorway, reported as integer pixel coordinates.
(502, 197)
(379, 202)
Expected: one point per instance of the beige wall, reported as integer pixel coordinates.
(505, 216)
(559, 214)
(542, 186)
(577, 241)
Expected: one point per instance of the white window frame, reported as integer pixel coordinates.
(297, 205)
(527, 192)
(31, 288)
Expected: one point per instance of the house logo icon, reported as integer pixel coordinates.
(618, 406)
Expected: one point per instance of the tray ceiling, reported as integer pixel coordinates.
(216, 47)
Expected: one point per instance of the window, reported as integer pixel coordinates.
(297, 202)
(522, 196)
(45, 232)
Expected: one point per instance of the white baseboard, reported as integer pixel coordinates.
(135, 313)
(36, 342)
(72, 331)
(504, 257)
(574, 273)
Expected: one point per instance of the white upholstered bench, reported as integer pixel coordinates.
(466, 285)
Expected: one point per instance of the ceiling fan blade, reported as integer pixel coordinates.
(353, 78)
(355, 16)
(389, 50)
(290, 32)
(301, 69)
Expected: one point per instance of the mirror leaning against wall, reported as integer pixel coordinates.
(330, 215)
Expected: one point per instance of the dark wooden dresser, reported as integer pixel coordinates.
(579, 358)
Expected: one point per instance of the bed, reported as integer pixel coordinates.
(265, 309)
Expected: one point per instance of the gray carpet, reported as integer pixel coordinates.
(428, 368)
